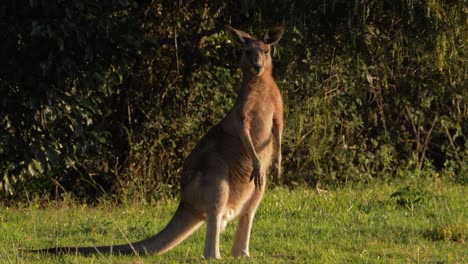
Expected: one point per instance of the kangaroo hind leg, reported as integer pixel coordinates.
(242, 239)
(214, 190)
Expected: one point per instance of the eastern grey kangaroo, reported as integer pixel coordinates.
(224, 176)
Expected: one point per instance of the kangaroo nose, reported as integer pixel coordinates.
(257, 67)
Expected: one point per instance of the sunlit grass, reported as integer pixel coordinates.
(353, 224)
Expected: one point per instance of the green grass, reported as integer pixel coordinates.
(422, 222)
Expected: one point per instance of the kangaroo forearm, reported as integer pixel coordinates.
(247, 142)
(277, 133)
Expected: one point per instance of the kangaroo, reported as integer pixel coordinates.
(225, 175)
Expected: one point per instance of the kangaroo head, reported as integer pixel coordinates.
(256, 54)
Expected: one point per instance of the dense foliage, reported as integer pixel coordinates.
(108, 97)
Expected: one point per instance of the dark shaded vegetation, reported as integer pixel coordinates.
(109, 97)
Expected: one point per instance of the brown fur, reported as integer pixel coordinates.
(224, 176)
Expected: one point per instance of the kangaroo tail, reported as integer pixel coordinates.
(183, 224)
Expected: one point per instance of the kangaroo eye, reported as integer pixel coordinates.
(266, 52)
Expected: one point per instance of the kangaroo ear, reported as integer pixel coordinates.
(273, 35)
(236, 35)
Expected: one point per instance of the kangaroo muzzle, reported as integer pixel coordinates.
(257, 69)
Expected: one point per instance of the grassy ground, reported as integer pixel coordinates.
(397, 222)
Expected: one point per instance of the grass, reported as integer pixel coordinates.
(380, 222)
